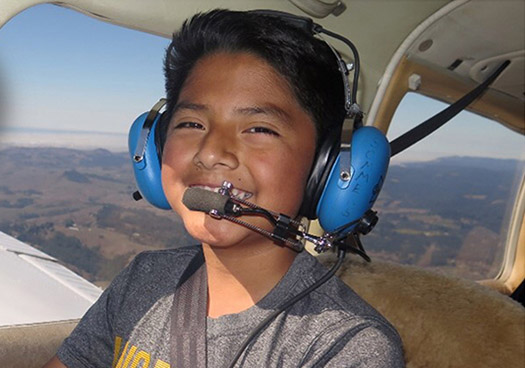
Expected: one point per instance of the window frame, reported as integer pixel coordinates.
(448, 87)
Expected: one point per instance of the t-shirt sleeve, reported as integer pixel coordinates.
(91, 344)
(371, 344)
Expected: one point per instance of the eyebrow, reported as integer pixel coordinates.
(269, 109)
(189, 106)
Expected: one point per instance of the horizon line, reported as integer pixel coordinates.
(36, 130)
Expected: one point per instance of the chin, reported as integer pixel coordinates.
(211, 231)
(218, 233)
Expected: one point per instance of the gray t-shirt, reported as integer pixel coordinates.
(129, 326)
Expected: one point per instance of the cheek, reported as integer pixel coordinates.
(284, 173)
(174, 160)
(177, 154)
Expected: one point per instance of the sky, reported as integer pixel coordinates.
(68, 79)
(467, 134)
(62, 70)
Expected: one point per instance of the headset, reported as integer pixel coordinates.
(345, 179)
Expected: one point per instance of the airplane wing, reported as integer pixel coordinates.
(38, 287)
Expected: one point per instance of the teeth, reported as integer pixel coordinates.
(240, 194)
(237, 193)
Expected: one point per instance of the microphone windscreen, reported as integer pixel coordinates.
(199, 199)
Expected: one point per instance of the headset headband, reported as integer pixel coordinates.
(345, 179)
(307, 24)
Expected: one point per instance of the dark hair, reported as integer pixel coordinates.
(307, 63)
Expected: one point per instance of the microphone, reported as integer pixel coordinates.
(286, 231)
(199, 199)
(223, 206)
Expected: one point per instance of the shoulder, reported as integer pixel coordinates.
(367, 342)
(166, 258)
(157, 267)
(149, 279)
(345, 325)
(336, 295)
(349, 309)
(150, 275)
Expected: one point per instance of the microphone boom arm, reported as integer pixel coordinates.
(287, 231)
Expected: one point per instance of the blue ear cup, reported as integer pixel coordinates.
(345, 201)
(341, 201)
(145, 158)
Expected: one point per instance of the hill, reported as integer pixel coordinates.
(446, 213)
(77, 206)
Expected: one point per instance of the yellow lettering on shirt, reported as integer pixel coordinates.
(162, 364)
(116, 350)
(141, 359)
(122, 355)
(129, 355)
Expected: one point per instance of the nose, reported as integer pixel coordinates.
(217, 150)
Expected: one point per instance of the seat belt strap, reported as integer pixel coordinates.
(188, 317)
(435, 122)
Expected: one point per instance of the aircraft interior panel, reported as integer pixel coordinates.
(439, 49)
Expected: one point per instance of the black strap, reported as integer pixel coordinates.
(427, 127)
(188, 317)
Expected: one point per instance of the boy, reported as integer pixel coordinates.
(251, 99)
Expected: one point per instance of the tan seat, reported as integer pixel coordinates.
(31, 346)
(444, 322)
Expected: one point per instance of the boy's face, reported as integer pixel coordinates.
(237, 120)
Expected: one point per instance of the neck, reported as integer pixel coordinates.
(238, 277)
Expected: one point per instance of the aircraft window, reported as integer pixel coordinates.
(71, 90)
(71, 87)
(447, 200)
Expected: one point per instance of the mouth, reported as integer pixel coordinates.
(236, 193)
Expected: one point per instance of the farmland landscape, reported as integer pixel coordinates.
(76, 205)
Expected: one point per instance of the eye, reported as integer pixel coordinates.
(263, 130)
(189, 125)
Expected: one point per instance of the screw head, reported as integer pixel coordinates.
(345, 175)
